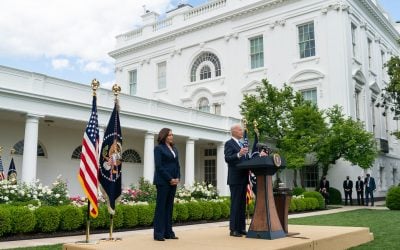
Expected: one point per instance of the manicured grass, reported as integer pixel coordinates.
(50, 247)
(383, 223)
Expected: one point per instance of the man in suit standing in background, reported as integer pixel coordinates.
(360, 191)
(237, 181)
(370, 187)
(348, 190)
(324, 189)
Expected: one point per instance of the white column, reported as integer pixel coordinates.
(222, 171)
(29, 160)
(148, 162)
(189, 162)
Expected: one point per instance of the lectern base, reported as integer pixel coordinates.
(267, 235)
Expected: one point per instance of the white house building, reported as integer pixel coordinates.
(43, 119)
(207, 57)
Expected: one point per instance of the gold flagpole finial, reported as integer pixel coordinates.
(116, 89)
(12, 151)
(95, 85)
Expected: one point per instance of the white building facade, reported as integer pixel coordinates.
(43, 119)
(207, 57)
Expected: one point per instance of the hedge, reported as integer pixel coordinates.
(217, 211)
(195, 211)
(47, 219)
(393, 198)
(207, 210)
(22, 220)
(318, 196)
(71, 218)
(5, 221)
(335, 197)
(130, 216)
(145, 214)
(181, 212)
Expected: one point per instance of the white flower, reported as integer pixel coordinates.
(12, 191)
(6, 198)
(57, 195)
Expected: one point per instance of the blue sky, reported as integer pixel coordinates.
(70, 39)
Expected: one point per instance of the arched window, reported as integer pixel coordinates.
(205, 72)
(131, 155)
(205, 57)
(203, 105)
(77, 153)
(19, 149)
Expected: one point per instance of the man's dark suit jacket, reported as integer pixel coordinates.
(235, 176)
(348, 186)
(372, 185)
(359, 186)
(166, 165)
(326, 186)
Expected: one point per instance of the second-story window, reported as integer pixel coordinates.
(257, 52)
(205, 72)
(162, 75)
(357, 94)
(306, 40)
(369, 41)
(354, 39)
(203, 105)
(132, 82)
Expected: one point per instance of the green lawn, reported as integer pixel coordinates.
(385, 225)
(51, 247)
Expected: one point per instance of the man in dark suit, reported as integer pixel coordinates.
(370, 187)
(348, 190)
(360, 191)
(324, 189)
(237, 181)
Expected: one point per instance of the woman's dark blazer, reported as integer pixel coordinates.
(166, 165)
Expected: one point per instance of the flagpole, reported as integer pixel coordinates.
(88, 222)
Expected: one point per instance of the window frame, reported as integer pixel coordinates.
(258, 56)
(132, 84)
(299, 43)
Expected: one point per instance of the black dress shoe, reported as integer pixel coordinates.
(159, 239)
(243, 232)
(235, 234)
(172, 237)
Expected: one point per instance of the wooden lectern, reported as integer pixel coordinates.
(265, 223)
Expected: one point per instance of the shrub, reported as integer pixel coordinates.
(207, 210)
(335, 197)
(195, 211)
(318, 196)
(393, 198)
(225, 209)
(71, 218)
(145, 214)
(148, 191)
(130, 216)
(217, 212)
(5, 221)
(47, 219)
(300, 204)
(292, 206)
(118, 218)
(298, 191)
(100, 220)
(22, 220)
(311, 203)
(182, 212)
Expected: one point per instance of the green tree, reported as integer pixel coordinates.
(347, 139)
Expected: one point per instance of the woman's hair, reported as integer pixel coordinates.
(162, 135)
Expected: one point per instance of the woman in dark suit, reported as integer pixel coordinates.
(166, 177)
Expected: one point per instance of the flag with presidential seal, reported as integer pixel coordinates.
(111, 160)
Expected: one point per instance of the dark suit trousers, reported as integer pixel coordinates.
(237, 221)
(369, 192)
(163, 214)
(347, 195)
(360, 197)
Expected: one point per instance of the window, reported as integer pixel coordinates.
(357, 103)
(162, 75)
(19, 148)
(369, 53)
(383, 59)
(373, 101)
(132, 82)
(306, 40)
(203, 58)
(205, 72)
(77, 153)
(310, 95)
(257, 52)
(353, 38)
(204, 105)
(210, 159)
(311, 176)
(217, 109)
(131, 155)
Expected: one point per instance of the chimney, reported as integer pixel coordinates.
(149, 17)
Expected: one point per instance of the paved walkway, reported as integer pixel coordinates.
(71, 239)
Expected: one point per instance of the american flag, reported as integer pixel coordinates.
(1, 170)
(89, 165)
